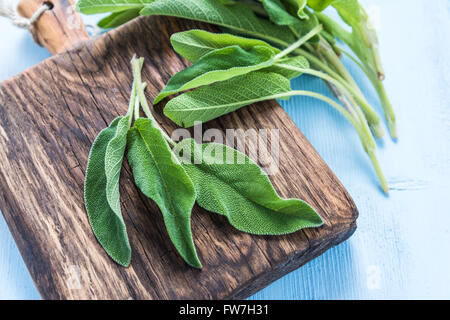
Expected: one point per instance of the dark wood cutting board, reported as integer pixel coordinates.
(49, 117)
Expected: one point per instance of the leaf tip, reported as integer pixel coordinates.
(318, 221)
(315, 219)
(125, 263)
(158, 98)
(121, 258)
(196, 264)
(172, 115)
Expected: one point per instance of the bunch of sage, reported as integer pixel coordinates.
(268, 42)
(175, 176)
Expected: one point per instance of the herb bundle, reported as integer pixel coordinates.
(175, 176)
(267, 43)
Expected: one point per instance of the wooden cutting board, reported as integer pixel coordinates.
(49, 117)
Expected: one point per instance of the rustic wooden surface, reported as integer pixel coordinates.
(59, 28)
(49, 117)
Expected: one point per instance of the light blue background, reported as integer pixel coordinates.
(401, 248)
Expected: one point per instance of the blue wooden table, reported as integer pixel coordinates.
(401, 248)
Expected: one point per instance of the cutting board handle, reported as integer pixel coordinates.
(59, 28)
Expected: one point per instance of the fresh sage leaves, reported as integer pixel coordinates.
(240, 191)
(223, 63)
(118, 18)
(102, 6)
(213, 101)
(238, 17)
(267, 36)
(113, 163)
(106, 220)
(161, 178)
(278, 14)
(194, 44)
(218, 65)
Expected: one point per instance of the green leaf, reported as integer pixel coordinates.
(306, 25)
(237, 17)
(193, 44)
(116, 19)
(277, 13)
(106, 220)
(297, 61)
(349, 10)
(218, 65)
(227, 182)
(102, 6)
(361, 40)
(159, 176)
(297, 6)
(319, 5)
(210, 102)
(113, 163)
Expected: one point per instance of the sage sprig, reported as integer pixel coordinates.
(239, 190)
(243, 193)
(163, 180)
(218, 65)
(285, 37)
(106, 220)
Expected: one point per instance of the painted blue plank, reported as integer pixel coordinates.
(402, 244)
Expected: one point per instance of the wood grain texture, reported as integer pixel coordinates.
(49, 117)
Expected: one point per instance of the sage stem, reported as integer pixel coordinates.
(376, 164)
(372, 117)
(381, 91)
(132, 103)
(330, 55)
(321, 66)
(359, 123)
(387, 108)
(136, 108)
(137, 67)
(299, 42)
(369, 112)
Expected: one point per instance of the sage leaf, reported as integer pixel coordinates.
(106, 221)
(349, 10)
(193, 44)
(297, 6)
(277, 13)
(210, 102)
(306, 25)
(102, 6)
(218, 65)
(160, 176)
(113, 163)
(229, 183)
(237, 17)
(319, 5)
(116, 19)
